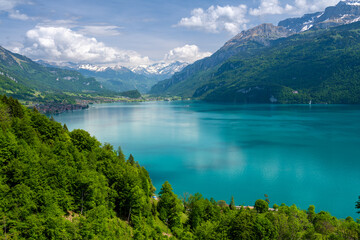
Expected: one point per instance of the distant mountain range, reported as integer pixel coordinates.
(120, 78)
(313, 58)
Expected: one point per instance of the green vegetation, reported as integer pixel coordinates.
(131, 94)
(57, 184)
(321, 66)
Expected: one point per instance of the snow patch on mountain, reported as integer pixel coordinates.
(92, 68)
(345, 12)
(95, 68)
(161, 68)
(352, 2)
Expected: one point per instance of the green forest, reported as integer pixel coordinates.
(61, 184)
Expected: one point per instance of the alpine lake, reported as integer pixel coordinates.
(296, 154)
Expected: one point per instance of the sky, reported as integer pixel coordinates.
(135, 32)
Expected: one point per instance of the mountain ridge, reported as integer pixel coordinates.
(254, 38)
(345, 12)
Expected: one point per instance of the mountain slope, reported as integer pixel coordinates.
(345, 12)
(247, 43)
(320, 65)
(31, 74)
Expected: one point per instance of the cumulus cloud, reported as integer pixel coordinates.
(216, 19)
(297, 7)
(270, 7)
(187, 53)
(9, 5)
(61, 44)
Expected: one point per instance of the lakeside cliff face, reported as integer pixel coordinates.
(59, 184)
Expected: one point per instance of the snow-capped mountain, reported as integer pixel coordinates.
(95, 68)
(120, 78)
(157, 69)
(345, 12)
(160, 70)
(165, 69)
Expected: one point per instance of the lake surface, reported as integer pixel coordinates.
(297, 154)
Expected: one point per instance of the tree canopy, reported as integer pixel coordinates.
(61, 184)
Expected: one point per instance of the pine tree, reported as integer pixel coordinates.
(120, 154)
(232, 203)
(169, 206)
(131, 160)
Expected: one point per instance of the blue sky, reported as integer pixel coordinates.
(133, 32)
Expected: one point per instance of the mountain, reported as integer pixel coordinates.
(322, 66)
(162, 70)
(120, 78)
(247, 43)
(25, 79)
(345, 12)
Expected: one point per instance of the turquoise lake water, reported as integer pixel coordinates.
(297, 154)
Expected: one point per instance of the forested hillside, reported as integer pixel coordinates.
(26, 80)
(321, 66)
(57, 184)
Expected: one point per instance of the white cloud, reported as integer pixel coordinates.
(187, 53)
(270, 7)
(216, 19)
(17, 15)
(9, 5)
(305, 6)
(60, 44)
(100, 30)
(297, 7)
